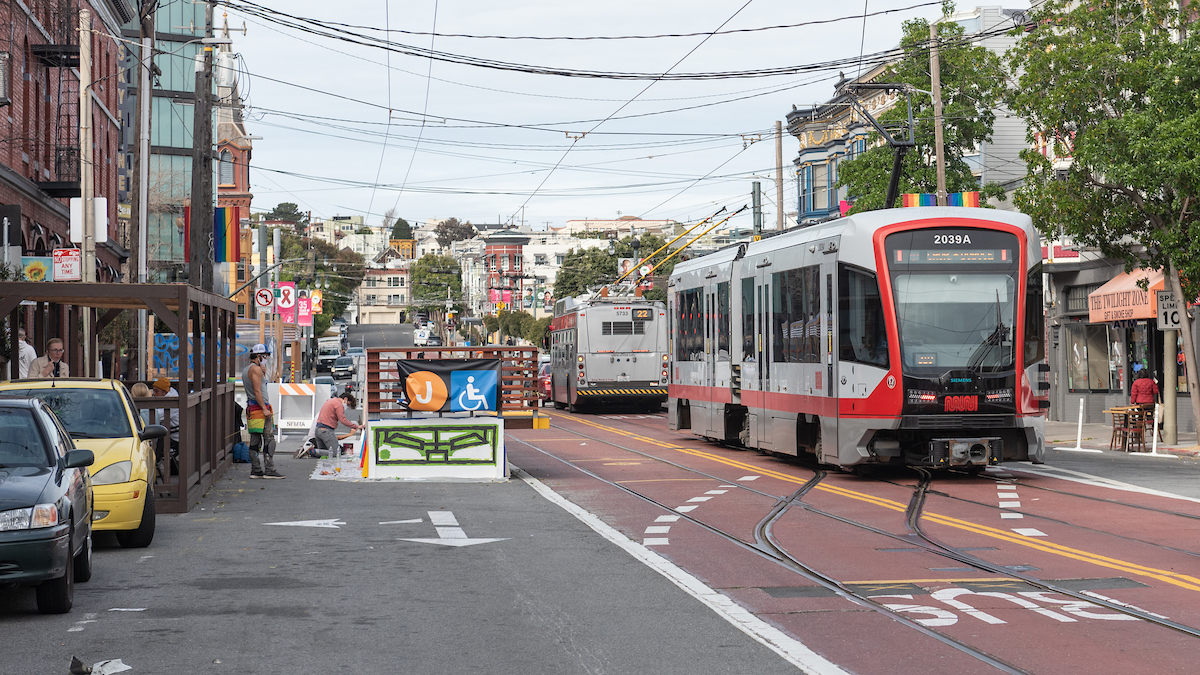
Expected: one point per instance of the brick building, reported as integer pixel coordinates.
(39, 121)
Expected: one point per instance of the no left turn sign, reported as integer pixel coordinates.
(264, 298)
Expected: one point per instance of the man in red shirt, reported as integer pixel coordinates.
(1144, 391)
(332, 413)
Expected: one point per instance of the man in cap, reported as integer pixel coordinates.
(260, 419)
(162, 388)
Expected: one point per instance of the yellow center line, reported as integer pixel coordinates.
(1182, 580)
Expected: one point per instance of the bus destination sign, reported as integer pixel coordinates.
(937, 256)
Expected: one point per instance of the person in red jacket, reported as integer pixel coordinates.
(1144, 391)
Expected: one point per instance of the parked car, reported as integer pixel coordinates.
(544, 381)
(433, 341)
(356, 351)
(99, 415)
(342, 368)
(323, 379)
(46, 503)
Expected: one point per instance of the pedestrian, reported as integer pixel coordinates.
(1144, 391)
(332, 413)
(162, 388)
(260, 419)
(51, 365)
(142, 390)
(27, 356)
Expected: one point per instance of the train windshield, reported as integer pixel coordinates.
(956, 298)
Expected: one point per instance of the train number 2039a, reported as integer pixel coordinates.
(951, 239)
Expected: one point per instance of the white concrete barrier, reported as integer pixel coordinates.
(470, 448)
(297, 405)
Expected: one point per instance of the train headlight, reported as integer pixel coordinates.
(580, 357)
(665, 357)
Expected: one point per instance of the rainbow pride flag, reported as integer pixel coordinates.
(963, 199)
(227, 234)
(912, 199)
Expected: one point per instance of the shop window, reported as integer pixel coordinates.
(1077, 298)
(1093, 358)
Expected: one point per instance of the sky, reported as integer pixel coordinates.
(352, 129)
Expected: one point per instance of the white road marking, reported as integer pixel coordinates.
(685, 509)
(666, 519)
(792, 650)
(716, 492)
(1010, 505)
(1097, 481)
(90, 617)
(442, 518)
(144, 558)
(727, 486)
(1028, 532)
(1004, 486)
(1011, 515)
(699, 499)
(127, 609)
(656, 541)
(658, 529)
(749, 478)
(332, 523)
(399, 522)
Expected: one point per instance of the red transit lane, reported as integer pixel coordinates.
(734, 519)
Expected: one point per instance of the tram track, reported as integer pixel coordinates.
(768, 547)
(770, 550)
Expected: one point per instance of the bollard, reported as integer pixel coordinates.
(1079, 432)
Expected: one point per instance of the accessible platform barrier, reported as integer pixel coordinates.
(297, 405)
(464, 448)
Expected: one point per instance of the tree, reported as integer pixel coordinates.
(289, 212)
(1112, 86)
(435, 279)
(972, 83)
(401, 230)
(538, 332)
(585, 268)
(451, 230)
(342, 268)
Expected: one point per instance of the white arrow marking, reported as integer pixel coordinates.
(449, 533)
(399, 522)
(328, 522)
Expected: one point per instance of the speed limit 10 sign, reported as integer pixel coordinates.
(1170, 314)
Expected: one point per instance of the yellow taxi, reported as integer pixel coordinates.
(100, 416)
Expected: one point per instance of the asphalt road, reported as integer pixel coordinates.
(380, 335)
(223, 590)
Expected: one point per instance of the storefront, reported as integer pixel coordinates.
(1102, 333)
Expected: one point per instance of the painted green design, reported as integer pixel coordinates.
(448, 444)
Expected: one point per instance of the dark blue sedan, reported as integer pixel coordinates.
(45, 505)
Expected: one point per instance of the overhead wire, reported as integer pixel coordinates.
(424, 112)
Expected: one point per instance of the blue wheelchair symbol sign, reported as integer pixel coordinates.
(473, 390)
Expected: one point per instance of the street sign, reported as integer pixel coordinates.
(1170, 314)
(317, 298)
(68, 264)
(287, 295)
(264, 298)
(645, 270)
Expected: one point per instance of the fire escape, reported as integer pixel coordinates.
(61, 53)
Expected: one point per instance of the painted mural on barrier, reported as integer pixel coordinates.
(166, 352)
(411, 443)
(450, 385)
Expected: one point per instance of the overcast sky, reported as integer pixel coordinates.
(653, 163)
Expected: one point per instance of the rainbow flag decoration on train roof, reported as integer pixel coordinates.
(953, 199)
(227, 234)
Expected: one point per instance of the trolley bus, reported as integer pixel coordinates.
(905, 336)
(608, 349)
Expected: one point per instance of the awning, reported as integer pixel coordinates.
(1121, 299)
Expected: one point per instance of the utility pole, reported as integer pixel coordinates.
(200, 260)
(87, 187)
(141, 174)
(756, 196)
(779, 215)
(935, 70)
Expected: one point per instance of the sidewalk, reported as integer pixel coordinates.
(1098, 436)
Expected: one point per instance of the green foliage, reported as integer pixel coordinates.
(401, 229)
(538, 332)
(342, 282)
(434, 279)
(451, 230)
(972, 83)
(491, 323)
(289, 212)
(1110, 88)
(586, 268)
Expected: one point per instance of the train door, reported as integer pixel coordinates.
(829, 426)
(719, 358)
(761, 424)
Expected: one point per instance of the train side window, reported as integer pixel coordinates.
(748, 319)
(689, 345)
(862, 331)
(723, 321)
(1035, 347)
(796, 315)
